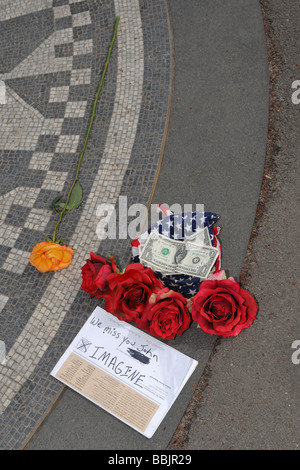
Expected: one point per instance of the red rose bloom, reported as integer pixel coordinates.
(223, 308)
(129, 292)
(166, 315)
(94, 275)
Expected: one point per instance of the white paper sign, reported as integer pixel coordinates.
(125, 371)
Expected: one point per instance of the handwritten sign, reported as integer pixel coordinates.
(125, 371)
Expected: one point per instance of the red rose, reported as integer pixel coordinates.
(166, 315)
(129, 292)
(94, 275)
(223, 308)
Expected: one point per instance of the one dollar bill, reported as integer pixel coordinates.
(201, 237)
(199, 260)
(178, 257)
(161, 252)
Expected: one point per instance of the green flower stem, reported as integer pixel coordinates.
(61, 214)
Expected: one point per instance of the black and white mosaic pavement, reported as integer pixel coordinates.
(52, 54)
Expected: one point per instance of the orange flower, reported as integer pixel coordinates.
(47, 256)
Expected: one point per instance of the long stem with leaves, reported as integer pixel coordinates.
(75, 189)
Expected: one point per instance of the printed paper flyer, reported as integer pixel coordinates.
(125, 371)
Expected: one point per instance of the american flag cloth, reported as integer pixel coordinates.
(179, 227)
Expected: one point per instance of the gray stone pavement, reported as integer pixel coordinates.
(243, 393)
(250, 396)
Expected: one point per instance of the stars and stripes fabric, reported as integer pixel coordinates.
(180, 227)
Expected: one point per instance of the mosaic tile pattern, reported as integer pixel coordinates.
(51, 77)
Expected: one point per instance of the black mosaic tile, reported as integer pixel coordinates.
(55, 110)
(79, 7)
(22, 35)
(78, 92)
(73, 125)
(58, 3)
(29, 238)
(81, 33)
(15, 172)
(4, 250)
(45, 199)
(81, 61)
(47, 143)
(64, 50)
(17, 216)
(63, 23)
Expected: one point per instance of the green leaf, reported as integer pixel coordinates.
(55, 202)
(75, 197)
(62, 205)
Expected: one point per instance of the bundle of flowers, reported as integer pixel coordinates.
(163, 305)
(220, 306)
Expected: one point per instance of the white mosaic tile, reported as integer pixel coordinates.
(25, 197)
(63, 36)
(40, 161)
(61, 11)
(81, 19)
(75, 109)
(37, 219)
(81, 77)
(54, 180)
(59, 94)
(16, 261)
(9, 235)
(2, 348)
(21, 131)
(51, 127)
(67, 144)
(83, 47)
(41, 61)
(12, 8)
(3, 301)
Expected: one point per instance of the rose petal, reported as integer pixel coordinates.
(48, 256)
(222, 307)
